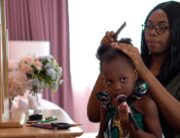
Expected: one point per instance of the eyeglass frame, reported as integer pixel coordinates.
(160, 28)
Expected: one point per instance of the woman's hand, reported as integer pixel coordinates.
(133, 53)
(108, 38)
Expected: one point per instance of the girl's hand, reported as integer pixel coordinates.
(123, 111)
(133, 53)
(108, 38)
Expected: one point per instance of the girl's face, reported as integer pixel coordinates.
(120, 77)
(157, 33)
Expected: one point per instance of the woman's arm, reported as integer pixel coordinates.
(93, 107)
(168, 105)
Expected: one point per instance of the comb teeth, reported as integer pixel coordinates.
(121, 98)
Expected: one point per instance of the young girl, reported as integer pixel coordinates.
(120, 77)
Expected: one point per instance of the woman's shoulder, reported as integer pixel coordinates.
(175, 80)
(174, 86)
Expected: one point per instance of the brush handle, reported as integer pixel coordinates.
(133, 121)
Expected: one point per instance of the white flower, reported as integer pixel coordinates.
(51, 73)
(48, 66)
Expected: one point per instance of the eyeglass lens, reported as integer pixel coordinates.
(159, 28)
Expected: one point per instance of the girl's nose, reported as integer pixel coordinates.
(117, 87)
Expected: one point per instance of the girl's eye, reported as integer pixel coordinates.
(123, 79)
(108, 83)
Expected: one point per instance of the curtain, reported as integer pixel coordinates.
(45, 20)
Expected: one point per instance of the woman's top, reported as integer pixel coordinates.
(174, 88)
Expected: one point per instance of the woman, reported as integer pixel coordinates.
(158, 65)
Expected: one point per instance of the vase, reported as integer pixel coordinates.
(18, 110)
(35, 102)
(19, 102)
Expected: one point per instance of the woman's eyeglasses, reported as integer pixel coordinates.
(159, 28)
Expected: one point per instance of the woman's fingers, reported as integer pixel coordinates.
(108, 38)
(126, 48)
(132, 52)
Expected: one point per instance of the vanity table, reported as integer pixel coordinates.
(33, 132)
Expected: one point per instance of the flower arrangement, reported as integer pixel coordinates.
(16, 87)
(34, 74)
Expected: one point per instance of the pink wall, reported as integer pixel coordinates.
(80, 108)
